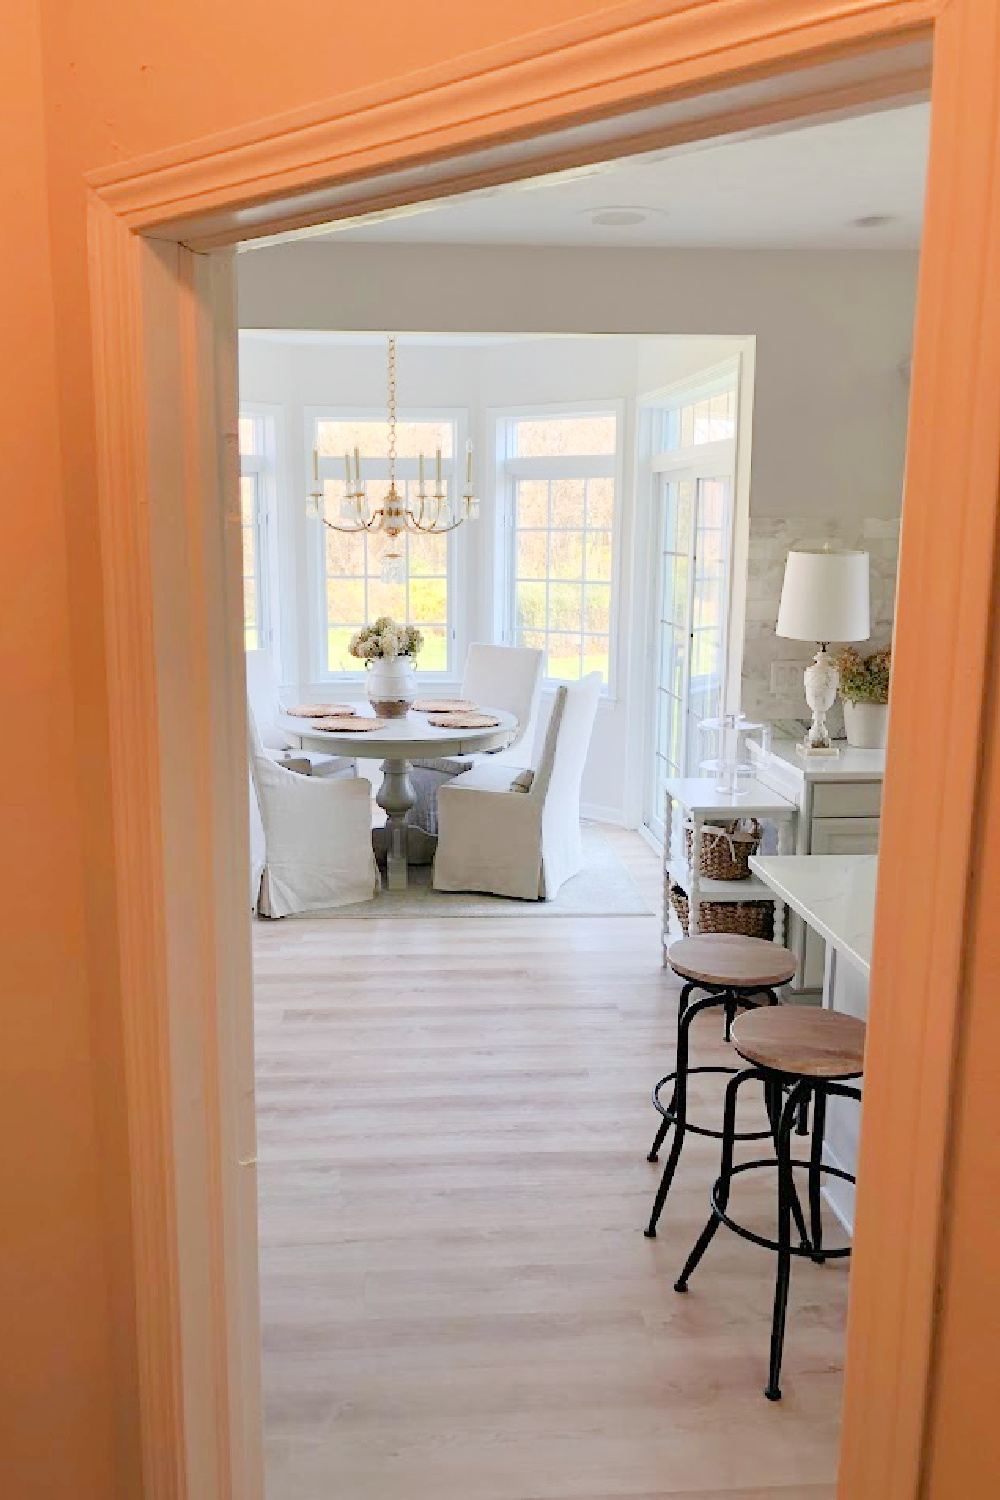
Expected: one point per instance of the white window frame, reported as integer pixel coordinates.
(718, 459)
(264, 467)
(509, 468)
(372, 468)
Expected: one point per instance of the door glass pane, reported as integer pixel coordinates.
(691, 624)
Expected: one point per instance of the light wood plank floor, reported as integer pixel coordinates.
(458, 1301)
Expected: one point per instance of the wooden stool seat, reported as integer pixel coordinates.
(726, 958)
(800, 1041)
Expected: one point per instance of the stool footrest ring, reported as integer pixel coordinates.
(759, 1239)
(670, 1115)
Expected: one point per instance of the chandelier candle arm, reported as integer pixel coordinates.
(395, 515)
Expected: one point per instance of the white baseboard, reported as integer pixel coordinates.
(839, 1194)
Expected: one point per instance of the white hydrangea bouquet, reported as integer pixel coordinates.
(385, 639)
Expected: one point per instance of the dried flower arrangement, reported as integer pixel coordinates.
(864, 679)
(385, 639)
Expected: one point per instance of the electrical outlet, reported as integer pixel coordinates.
(786, 678)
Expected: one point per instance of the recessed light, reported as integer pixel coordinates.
(872, 221)
(618, 218)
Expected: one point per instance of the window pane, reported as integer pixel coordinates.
(597, 607)
(554, 436)
(386, 599)
(532, 502)
(566, 607)
(428, 555)
(248, 553)
(596, 655)
(534, 639)
(434, 656)
(598, 561)
(532, 554)
(334, 439)
(600, 502)
(567, 502)
(345, 601)
(355, 592)
(563, 547)
(248, 436)
(248, 497)
(566, 554)
(428, 601)
(565, 656)
(529, 606)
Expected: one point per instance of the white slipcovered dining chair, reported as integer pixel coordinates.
(504, 677)
(494, 836)
(316, 851)
(262, 690)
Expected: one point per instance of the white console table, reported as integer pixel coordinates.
(697, 797)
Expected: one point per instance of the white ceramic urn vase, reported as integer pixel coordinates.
(391, 685)
(865, 724)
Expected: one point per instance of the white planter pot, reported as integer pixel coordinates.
(865, 724)
(391, 685)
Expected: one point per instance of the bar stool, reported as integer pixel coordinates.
(737, 973)
(811, 1053)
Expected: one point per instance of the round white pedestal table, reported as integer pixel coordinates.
(397, 744)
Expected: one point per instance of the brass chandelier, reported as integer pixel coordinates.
(432, 516)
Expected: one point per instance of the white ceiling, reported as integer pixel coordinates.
(797, 188)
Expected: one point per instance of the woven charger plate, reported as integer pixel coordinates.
(319, 710)
(464, 721)
(350, 724)
(443, 705)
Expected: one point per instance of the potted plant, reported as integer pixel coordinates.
(864, 687)
(389, 651)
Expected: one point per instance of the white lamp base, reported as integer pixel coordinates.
(817, 752)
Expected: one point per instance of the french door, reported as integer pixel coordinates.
(691, 619)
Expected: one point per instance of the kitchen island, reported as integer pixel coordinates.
(835, 895)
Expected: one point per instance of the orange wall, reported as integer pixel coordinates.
(117, 81)
(55, 1351)
(965, 1434)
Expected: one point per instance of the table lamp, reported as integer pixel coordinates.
(824, 598)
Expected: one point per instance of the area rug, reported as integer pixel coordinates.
(603, 888)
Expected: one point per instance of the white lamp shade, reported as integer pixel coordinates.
(825, 597)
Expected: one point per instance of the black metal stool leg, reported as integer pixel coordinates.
(680, 1111)
(725, 1177)
(815, 1174)
(772, 1103)
(661, 1134)
(785, 1190)
(664, 1125)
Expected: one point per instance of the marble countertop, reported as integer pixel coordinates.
(834, 893)
(849, 765)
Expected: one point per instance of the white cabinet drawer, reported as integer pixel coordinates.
(844, 836)
(847, 799)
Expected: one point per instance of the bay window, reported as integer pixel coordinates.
(355, 586)
(559, 487)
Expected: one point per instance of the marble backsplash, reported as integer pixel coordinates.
(771, 539)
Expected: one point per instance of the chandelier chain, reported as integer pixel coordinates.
(392, 413)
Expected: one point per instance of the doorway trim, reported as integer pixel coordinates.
(162, 283)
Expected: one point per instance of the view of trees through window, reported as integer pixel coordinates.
(354, 591)
(563, 540)
(562, 561)
(356, 594)
(252, 461)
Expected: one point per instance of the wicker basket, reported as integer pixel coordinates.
(748, 918)
(725, 848)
